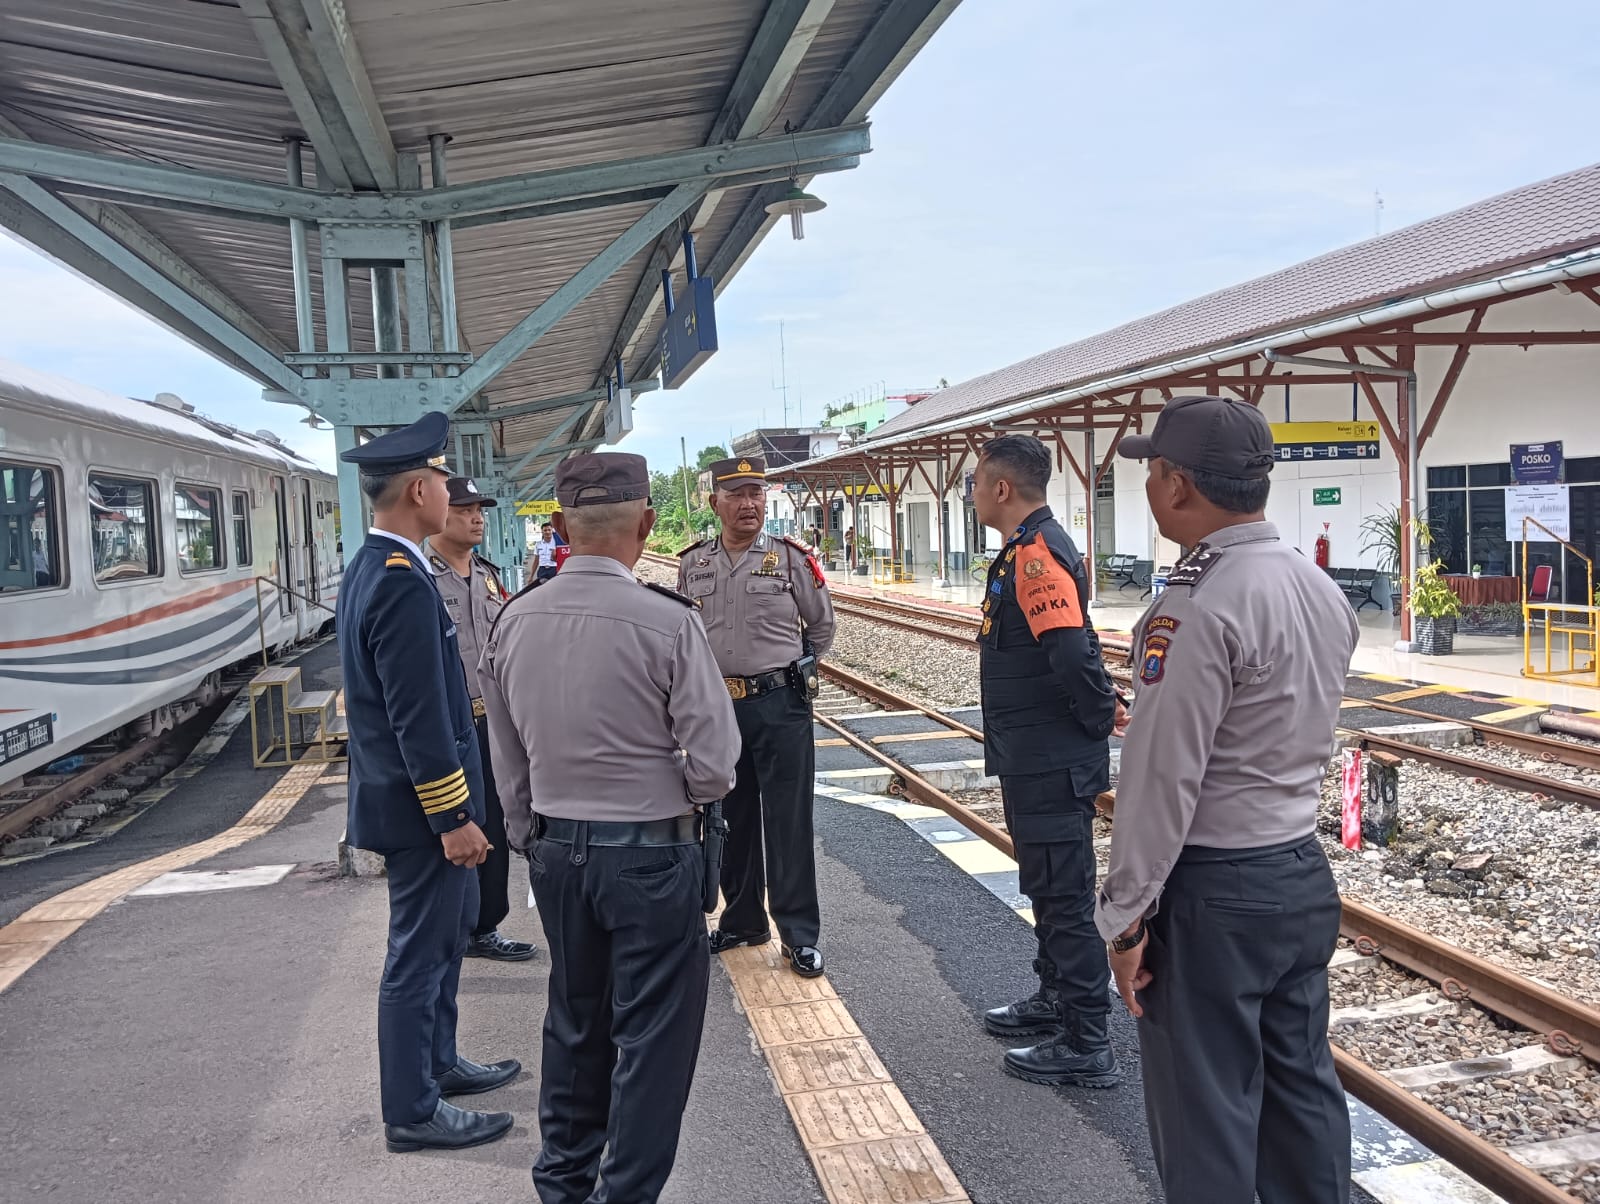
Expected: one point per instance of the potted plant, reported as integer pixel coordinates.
(1383, 536)
(1477, 570)
(1492, 618)
(828, 550)
(1434, 609)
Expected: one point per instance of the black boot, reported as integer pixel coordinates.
(1080, 1056)
(1038, 1014)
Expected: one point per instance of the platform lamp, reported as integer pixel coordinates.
(796, 202)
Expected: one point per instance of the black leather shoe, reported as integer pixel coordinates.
(1039, 1013)
(499, 948)
(468, 1078)
(722, 941)
(804, 960)
(449, 1128)
(1079, 1057)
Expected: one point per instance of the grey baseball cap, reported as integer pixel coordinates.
(1208, 434)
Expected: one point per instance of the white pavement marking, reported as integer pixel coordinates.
(194, 882)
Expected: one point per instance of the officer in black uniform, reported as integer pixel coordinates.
(416, 789)
(1048, 711)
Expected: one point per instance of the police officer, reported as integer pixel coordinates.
(1240, 669)
(1048, 710)
(472, 593)
(768, 615)
(416, 789)
(602, 776)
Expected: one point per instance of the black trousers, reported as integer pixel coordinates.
(629, 966)
(431, 906)
(769, 850)
(1052, 827)
(1239, 1082)
(494, 902)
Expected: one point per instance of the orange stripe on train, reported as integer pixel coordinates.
(149, 615)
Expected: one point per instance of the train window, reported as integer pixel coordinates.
(28, 494)
(198, 511)
(241, 527)
(126, 540)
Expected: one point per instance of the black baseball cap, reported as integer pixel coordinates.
(464, 492)
(598, 478)
(1218, 435)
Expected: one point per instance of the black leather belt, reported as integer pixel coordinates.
(755, 687)
(683, 829)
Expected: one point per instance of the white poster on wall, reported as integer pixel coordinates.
(1546, 504)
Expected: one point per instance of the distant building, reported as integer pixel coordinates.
(855, 419)
(782, 446)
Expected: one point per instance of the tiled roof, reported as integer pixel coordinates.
(1524, 226)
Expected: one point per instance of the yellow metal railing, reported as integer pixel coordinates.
(888, 571)
(261, 617)
(1571, 633)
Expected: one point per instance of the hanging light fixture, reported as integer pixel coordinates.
(796, 203)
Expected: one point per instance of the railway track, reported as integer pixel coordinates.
(1568, 1028)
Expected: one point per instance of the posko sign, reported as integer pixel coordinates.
(1536, 463)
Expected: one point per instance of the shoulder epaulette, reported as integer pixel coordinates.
(1194, 566)
(817, 578)
(699, 543)
(671, 593)
(438, 562)
(397, 560)
(795, 543)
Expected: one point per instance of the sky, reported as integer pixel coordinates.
(1042, 171)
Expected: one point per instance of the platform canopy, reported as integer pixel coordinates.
(482, 196)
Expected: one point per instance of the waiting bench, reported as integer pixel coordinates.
(1359, 586)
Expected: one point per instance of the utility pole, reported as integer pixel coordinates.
(783, 379)
(683, 450)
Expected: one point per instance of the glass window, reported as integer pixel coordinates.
(1489, 474)
(1453, 477)
(241, 527)
(198, 514)
(1583, 469)
(28, 519)
(1486, 517)
(1447, 518)
(124, 534)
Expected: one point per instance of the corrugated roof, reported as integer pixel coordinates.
(1517, 228)
(520, 87)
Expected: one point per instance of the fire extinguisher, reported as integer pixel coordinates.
(1323, 548)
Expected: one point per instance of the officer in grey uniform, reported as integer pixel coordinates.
(473, 594)
(769, 617)
(1239, 669)
(610, 728)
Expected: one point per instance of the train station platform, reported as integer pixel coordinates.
(188, 1009)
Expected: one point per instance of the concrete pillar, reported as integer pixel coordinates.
(352, 512)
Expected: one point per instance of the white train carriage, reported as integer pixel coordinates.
(143, 549)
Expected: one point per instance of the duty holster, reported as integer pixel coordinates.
(713, 838)
(804, 678)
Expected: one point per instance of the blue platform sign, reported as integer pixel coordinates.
(1537, 464)
(689, 338)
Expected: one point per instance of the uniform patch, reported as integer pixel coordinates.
(987, 624)
(397, 560)
(1154, 664)
(770, 560)
(670, 593)
(1047, 591)
(1194, 566)
(1162, 623)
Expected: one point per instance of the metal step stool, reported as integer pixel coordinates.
(314, 709)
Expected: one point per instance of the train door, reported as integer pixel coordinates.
(312, 590)
(282, 568)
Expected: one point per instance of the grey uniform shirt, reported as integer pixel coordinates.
(1239, 669)
(473, 603)
(604, 703)
(758, 604)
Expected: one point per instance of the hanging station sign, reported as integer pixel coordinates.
(1537, 463)
(689, 337)
(1304, 442)
(536, 509)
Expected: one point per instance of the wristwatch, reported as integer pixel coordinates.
(1122, 944)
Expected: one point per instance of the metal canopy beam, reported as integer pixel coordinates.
(586, 397)
(544, 444)
(309, 45)
(264, 361)
(704, 165)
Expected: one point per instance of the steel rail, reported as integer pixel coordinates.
(1568, 1025)
(1579, 756)
(20, 817)
(1514, 779)
(885, 698)
(920, 626)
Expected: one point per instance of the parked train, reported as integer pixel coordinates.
(143, 549)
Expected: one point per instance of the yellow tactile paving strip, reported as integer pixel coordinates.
(26, 940)
(862, 1136)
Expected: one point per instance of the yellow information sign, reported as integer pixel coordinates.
(1324, 432)
(536, 509)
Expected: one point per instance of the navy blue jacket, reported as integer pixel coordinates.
(1047, 700)
(415, 768)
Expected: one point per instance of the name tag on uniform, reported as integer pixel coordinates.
(450, 631)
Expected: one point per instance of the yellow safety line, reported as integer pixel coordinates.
(25, 941)
(862, 1136)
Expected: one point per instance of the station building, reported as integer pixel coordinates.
(1495, 308)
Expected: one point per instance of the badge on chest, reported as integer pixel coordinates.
(769, 566)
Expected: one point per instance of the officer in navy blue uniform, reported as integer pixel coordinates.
(416, 789)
